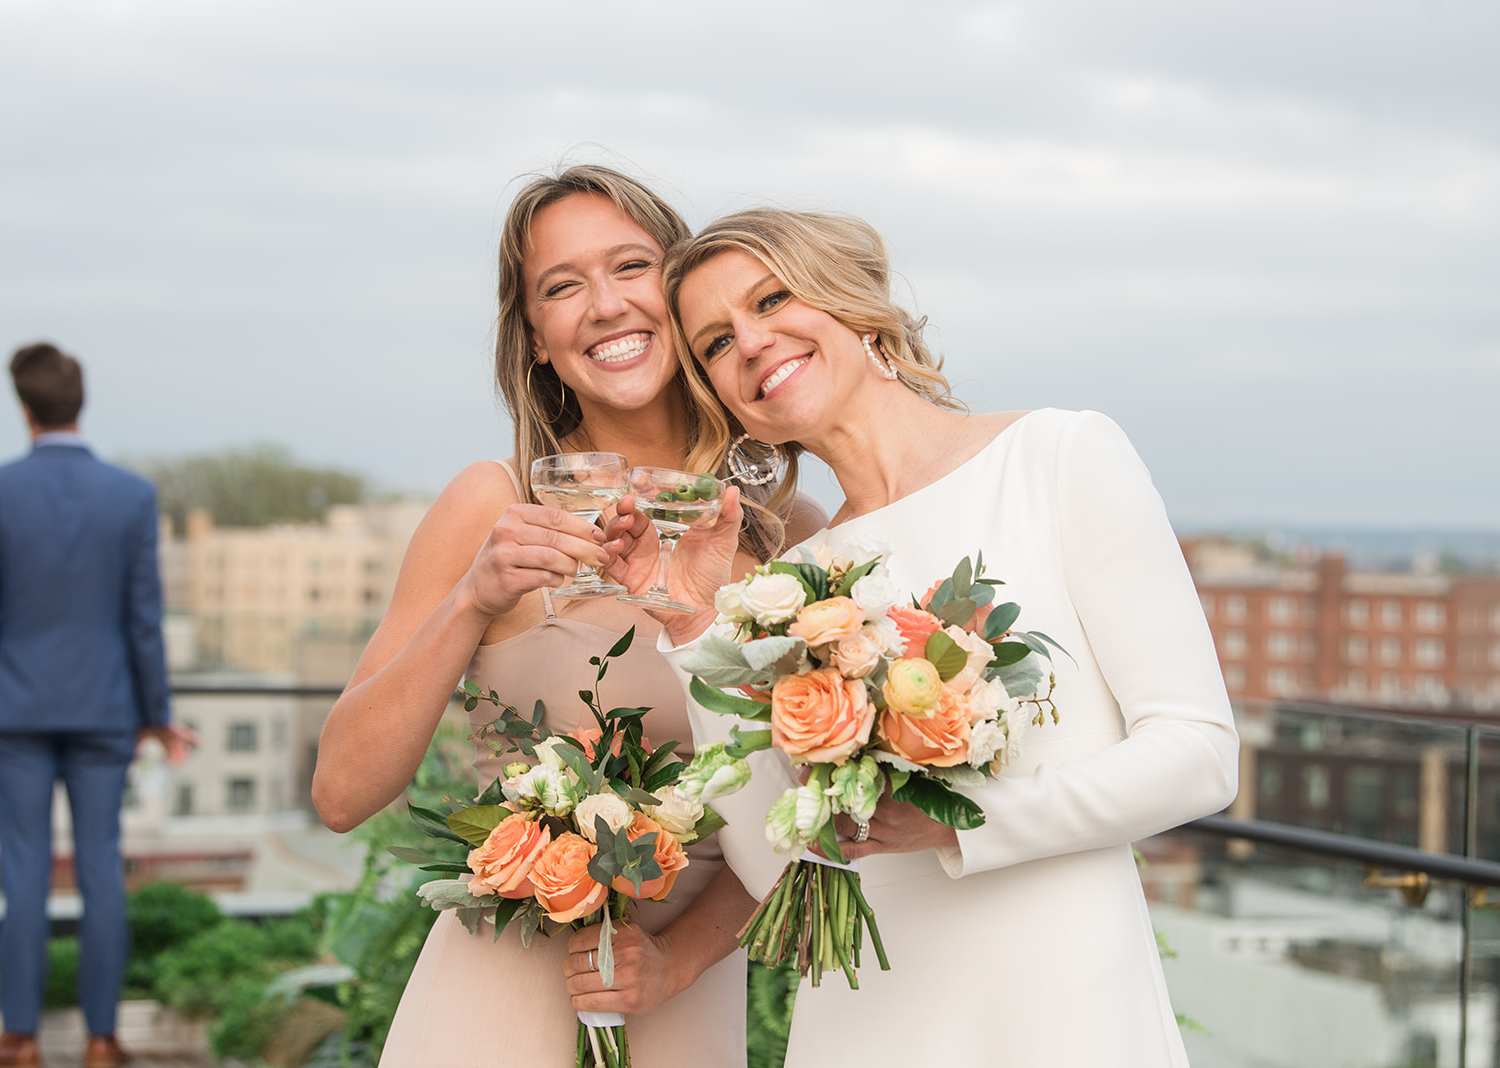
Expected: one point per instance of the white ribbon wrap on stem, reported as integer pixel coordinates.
(817, 858)
(602, 1019)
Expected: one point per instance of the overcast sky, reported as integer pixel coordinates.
(1264, 237)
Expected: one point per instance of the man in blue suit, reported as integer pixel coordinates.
(83, 678)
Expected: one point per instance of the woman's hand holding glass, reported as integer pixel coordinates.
(529, 547)
(702, 562)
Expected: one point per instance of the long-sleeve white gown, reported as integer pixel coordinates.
(1030, 944)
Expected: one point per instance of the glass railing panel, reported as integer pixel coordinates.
(1285, 959)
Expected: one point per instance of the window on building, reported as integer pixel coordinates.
(1430, 688)
(1234, 644)
(243, 738)
(278, 734)
(1390, 687)
(1356, 648)
(1495, 654)
(182, 803)
(1357, 613)
(1429, 652)
(1235, 609)
(240, 795)
(1207, 601)
(1495, 618)
(1363, 788)
(1281, 609)
(1281, 681)
(1404, 793)
(1390, 613)
(1315, 786)
(1431, 615)
(1270, 782)
(1281, 646)
(1234, 678)
(1354, 682)
(1390, 650)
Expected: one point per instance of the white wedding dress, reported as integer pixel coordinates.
(1030, 944)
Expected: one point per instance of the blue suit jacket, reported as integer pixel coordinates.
(80, 596)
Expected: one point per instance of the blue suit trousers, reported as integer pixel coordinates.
(92, 766)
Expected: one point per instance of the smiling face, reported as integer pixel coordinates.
(784, 368)
(593, 298)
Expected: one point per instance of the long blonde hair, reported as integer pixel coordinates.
(836, 263)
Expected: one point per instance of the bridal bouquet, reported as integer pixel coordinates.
(588, 822)
(867, 694)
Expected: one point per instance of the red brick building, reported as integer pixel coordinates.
(1319, 630)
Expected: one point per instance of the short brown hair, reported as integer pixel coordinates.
(49, 382)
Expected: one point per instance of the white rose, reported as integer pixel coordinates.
(730, 604)
(773, 598)
(617, 814)
(876, 594)
(861, 550)
(676, 814)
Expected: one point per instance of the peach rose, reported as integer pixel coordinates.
(856, 657)
(562, 882)
(820, 717)
(915, 625)
(590, 736)
(502, 865)
(830, 620)
(669, 855)
(912, 687)
(941, 740)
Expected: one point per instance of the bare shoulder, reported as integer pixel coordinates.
(461, 518)
(991, 424)
(804, 517)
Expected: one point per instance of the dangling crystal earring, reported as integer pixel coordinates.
(742, 468)
(886, 370)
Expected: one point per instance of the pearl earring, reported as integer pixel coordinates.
(886, 370)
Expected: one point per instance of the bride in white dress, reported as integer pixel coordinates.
(1027, 941)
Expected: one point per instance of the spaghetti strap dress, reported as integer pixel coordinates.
(474, 1000)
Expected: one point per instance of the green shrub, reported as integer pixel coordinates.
(62, 973)
(162, 915)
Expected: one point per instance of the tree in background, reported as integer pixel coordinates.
(248, 487)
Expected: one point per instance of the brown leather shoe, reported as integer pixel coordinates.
(19, 1051)
(104, 1051)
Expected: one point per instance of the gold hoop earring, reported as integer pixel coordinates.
(531, 397)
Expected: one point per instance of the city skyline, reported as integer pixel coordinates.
(1263, 239)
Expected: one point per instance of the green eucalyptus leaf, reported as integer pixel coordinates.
(1007, 653)
(963, 577)
(1001, 618)
(410, 855)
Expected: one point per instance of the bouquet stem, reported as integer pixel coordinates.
(815, 916)
(600, 1044)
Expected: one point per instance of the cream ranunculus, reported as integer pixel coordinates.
(617, 814)
(773, 598)
(912, 687)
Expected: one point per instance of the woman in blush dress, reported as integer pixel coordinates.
(1025, 941)
(584, 358)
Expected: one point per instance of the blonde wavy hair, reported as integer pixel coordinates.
(835, 263)
(544, 414)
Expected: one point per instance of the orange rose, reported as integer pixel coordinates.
(830, 620)
(916, 626)
(590, 736)
(941, 740)
(562, 882)
(502, 865)
(669, 855)
(820, 717)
